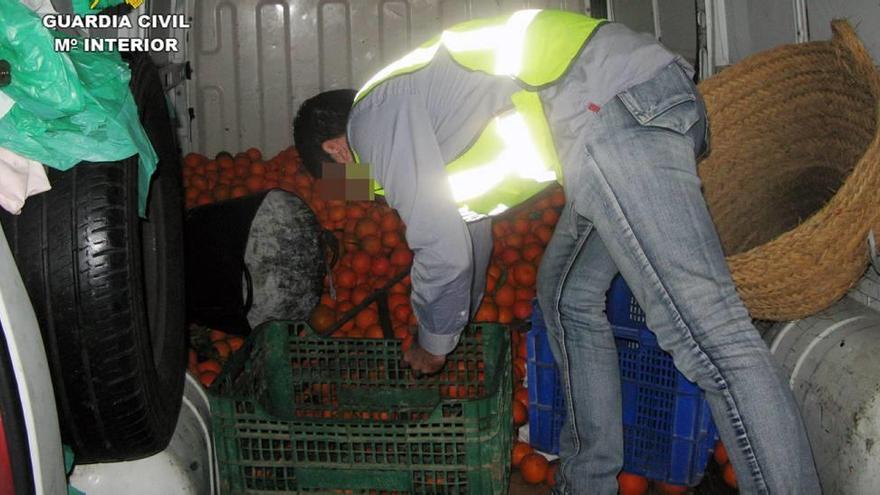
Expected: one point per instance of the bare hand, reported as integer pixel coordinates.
(422, 361)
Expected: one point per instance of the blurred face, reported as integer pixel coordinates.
(338, 149)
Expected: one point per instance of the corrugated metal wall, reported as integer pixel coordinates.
(255, 61)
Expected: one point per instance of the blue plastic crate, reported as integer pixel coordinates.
(668, 432)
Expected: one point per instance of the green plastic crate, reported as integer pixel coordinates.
(306, 414)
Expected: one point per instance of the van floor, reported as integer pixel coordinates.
(712, 484)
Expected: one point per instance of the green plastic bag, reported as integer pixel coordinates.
(69, 106)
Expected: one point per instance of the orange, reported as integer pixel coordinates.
(729, 475)
(371, 245)
(303, 181)
(390, 222)
(487, 311)
(345, 278)
(354, 211)
(380, 267)
(395, 300)
(521, 226)
(522, 309)
(225, 162)
(360, 262)
(254, 183)
(207, 378)
(400, 331)
(259, 168)
(505, 315)
(533, 468)
(209, 365)
(721, 454)
(524, 274)
(525, 293)
(359, 294)
(505, 296)
(391, 239)
(522, 395)
(520, 413)
(204, 198)
(328, 301)
(365, 227)
(509, 256)
(254, 154)
(532, 252)
(193, 159)
(401, 256)
(519, 450)
(366, 318)
(336, 213)
(544, 233)
(550, 217)
(239, 191)
(215, 335)
(402, 312)
(631, 484)
(322, 318)
(550, 479)
(374, 331)
(235, 342)
(513, 240)
(239, 162)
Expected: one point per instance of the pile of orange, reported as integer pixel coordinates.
(373, 249)
(533, 467)
(209, 351)
(373, 246)
(723, 461)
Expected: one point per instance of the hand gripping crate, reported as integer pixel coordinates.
(668, 432)
(306, 414)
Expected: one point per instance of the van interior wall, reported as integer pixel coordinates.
(757, 25)
(256, 62)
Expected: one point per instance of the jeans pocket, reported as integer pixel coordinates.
(667, 100)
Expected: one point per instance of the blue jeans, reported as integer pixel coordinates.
(635, 206)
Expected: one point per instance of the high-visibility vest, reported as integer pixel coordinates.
(514, 156)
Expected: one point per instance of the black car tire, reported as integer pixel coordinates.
(108, 290)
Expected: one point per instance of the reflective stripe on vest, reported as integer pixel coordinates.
(514, 157)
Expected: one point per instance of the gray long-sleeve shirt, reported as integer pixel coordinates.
(409, 127)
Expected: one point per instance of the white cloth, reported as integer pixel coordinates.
(5, 103)
(19, 178)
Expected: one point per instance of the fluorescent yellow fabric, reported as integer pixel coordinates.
(514, 157)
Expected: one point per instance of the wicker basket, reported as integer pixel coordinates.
(793, 179)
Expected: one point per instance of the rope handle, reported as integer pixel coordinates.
(380, 297)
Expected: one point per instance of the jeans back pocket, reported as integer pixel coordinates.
(667, 100)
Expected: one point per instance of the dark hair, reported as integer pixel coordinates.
(321, 117)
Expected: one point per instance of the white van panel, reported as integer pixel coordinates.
(255, 61)
(864, 15)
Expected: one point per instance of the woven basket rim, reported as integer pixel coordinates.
(844, 38)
